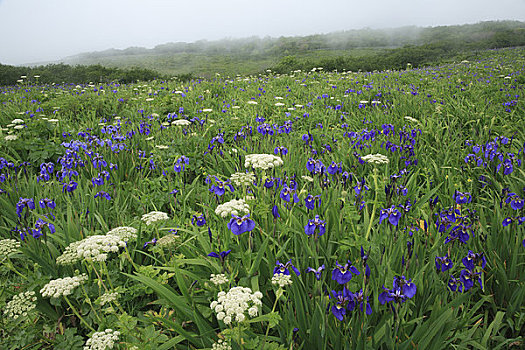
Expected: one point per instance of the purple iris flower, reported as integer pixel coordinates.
(462, 197)
(317, 271)
(315, 225)
(103, 194)
(221, 256)
(281, 268)
(443, 263)
(392, 214)
(240, 225)
(473, 259)
(358, 299)
(198, 220)
(28, 203)
(343, 273)
(342, 298)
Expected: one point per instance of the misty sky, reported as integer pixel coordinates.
(44, 30)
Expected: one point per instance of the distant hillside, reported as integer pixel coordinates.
(254, 54)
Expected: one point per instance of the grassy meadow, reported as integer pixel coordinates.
(308, 210)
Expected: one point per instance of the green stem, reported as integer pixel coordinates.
(374, 175)
(278, 296)
(78, 315)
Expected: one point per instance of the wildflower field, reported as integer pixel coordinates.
(313, 210)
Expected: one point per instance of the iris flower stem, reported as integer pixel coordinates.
(78, 314)
(277, 297)
(374, 175)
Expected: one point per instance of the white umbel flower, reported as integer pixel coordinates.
(154, 216)
(219, 279)
(97, 248)
(62, 286)
(281, 280)
(221, 345)
(102, 340)
(181, 122)
(20, 305)
(69, 256)
(125, 233)
(8, 246)
(17, 121)
(242, 179)
(11, 137)
(262, 161)
(232, 306)
(108, 297)
(233, 207)
(376, 158)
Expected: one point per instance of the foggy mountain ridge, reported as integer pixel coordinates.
(340, 40)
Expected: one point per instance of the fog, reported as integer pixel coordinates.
(34, 31)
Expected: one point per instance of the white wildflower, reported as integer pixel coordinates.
(218, 279)
(281, 280)
(97, 247)
(69, 256)
(8, 246)
(242, 179)
(162, 146)
(376, 158)
(102, 340)
(17, 121)
(234, 207)
(279, 104)
(154, 216)
(19, 127)
(233, 305)
(262, 161)
(62, 286)
(307, 178)
(414, 120)
(20, 305)
(206, 110)
(11, 137)
(181, 122)
(221, 345)
(167, 241)
(108, 297)
(251, 102)
(125, 233)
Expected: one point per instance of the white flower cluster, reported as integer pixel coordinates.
(410, 119)
(97, 248)
(70, 255)
(125, 233)
(167, 241)
(231, 306)
(235, 207)
(62, 286)
(221, 345)
(376, 158)
(154, 216)
(262, 161)
(242, 179)
(108, 297)
(281, 280)
(12, 137)
(181, 122)
(8, 246)
(20, 305)
(102, 340)
(218, 279)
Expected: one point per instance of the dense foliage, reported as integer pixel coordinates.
(311, 210)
